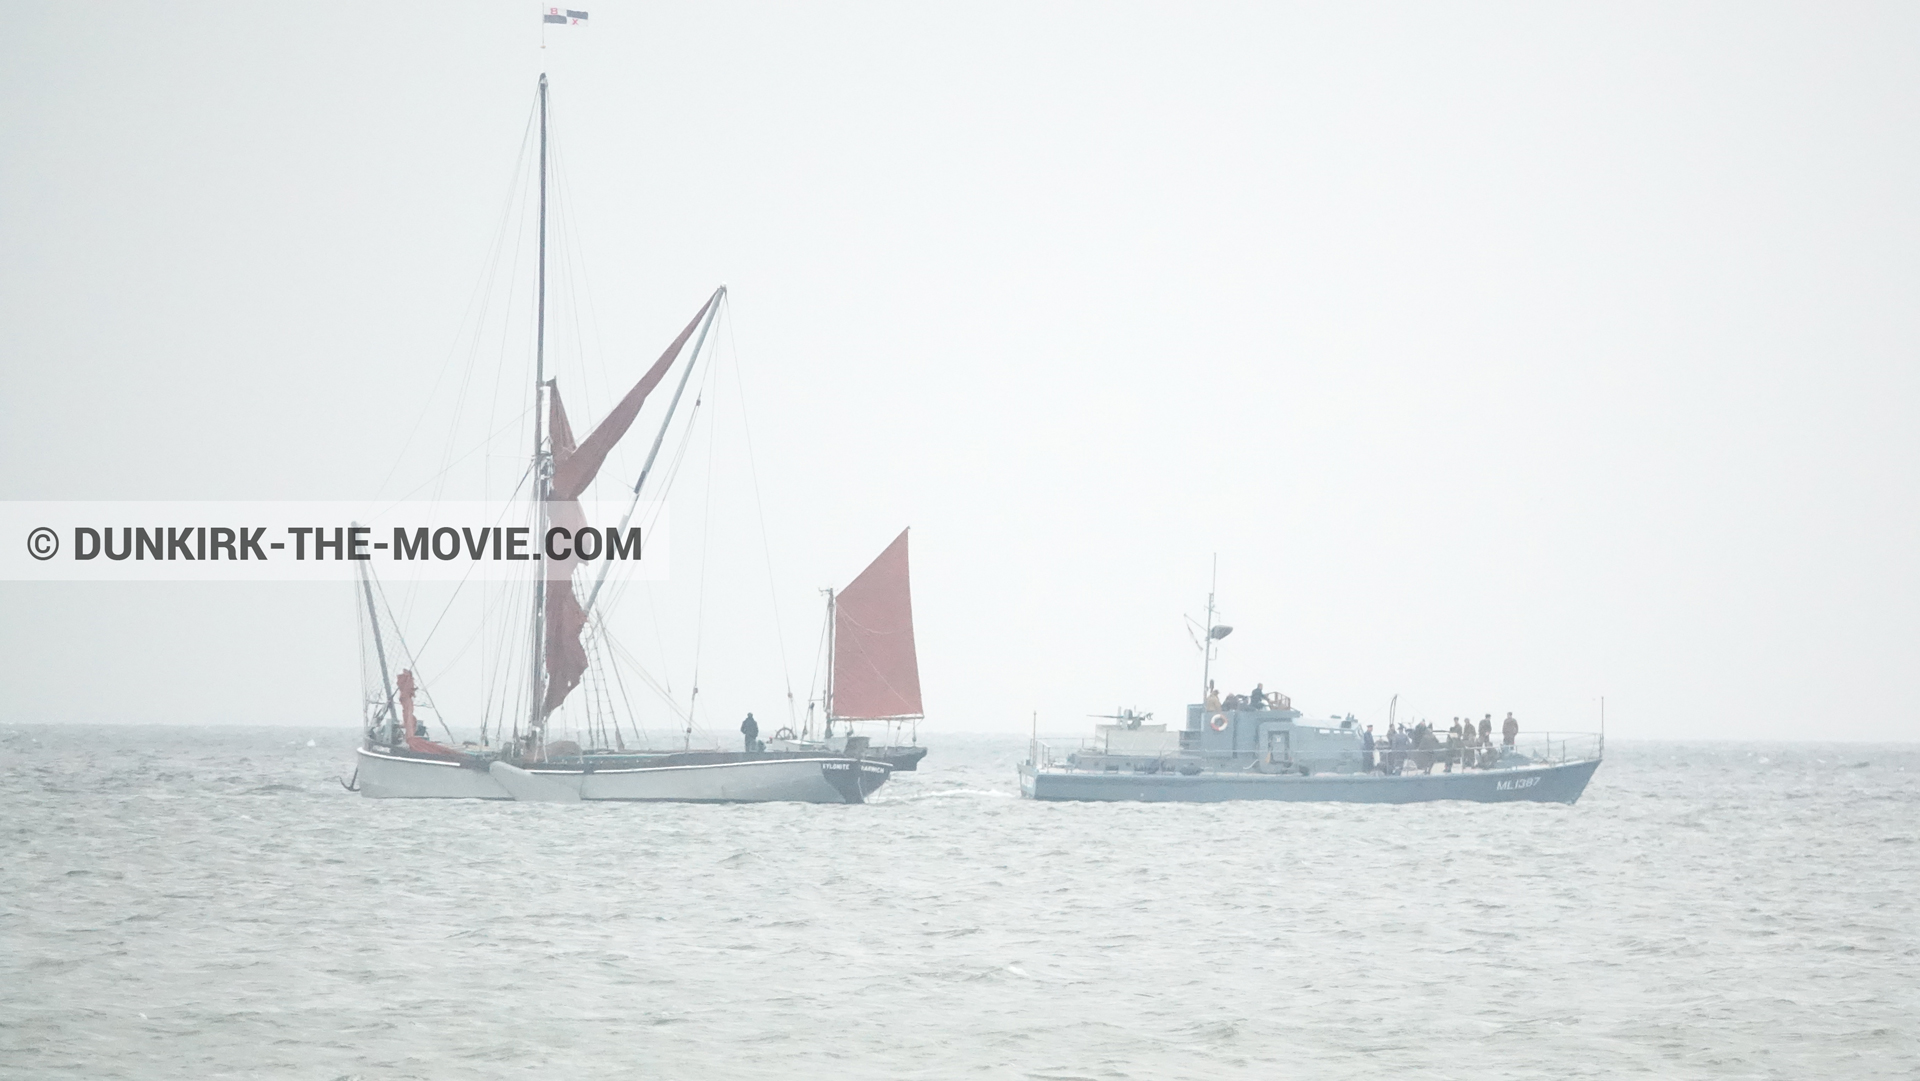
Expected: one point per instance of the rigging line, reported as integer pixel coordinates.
(413, 663)
(621, 652)
(613, 709)
(659, 504)
(360, 625)
(500, 361)
(485, 442)
(473, 358)
(503, 673)
(588, 697)
(640, 484)
(512, 692)
(516, 196)
(486, 697)
(579, 285)
(682, 445)
(759, 506)
(706, 548)
(819, 656)
(611, 719)
(494, 679)
(622, 585)
(473, 329)
(575, 715)
(633, 715)
(509, 678)
(488, 607)
(561, 292)
(504, 508)
(603, 702)
(476, 296)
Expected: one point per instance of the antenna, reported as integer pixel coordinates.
(1212, 633)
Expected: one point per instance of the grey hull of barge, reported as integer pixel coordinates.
(1555, 783)
(692, 777)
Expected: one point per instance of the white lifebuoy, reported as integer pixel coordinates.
(1219, 722)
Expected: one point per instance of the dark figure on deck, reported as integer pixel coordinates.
(750, 728)
(1259, 697)
(1428, 745)
(1509, 728)
(1366, 750)
(1486, 741)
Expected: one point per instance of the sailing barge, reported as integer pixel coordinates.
(873, 671)
(398, 760)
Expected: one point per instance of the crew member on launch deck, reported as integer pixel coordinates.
(750, 729)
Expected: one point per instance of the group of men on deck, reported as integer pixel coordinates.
(1420, 748)
(1258, 698)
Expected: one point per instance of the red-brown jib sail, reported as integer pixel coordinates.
(876, 674)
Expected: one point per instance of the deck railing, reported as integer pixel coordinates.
(1529, 748)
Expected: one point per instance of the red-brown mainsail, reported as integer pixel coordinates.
(876, 674)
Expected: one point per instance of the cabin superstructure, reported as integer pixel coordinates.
(1275, 739)
(1282, 736)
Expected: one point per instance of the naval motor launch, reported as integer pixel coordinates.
(1260, 747)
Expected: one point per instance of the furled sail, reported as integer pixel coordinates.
(574, 467)
(566, 655)
(415, 733)
(876, 673)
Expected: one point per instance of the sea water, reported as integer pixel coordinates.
(199, 903)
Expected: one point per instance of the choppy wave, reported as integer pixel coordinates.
(195, 903)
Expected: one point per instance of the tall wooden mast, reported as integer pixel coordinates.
(542, 461)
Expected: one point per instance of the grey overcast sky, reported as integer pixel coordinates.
(1508, 356)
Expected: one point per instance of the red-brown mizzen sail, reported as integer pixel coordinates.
(876, 673)
(573, 469)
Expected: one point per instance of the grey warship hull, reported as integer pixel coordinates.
(1552, 783)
